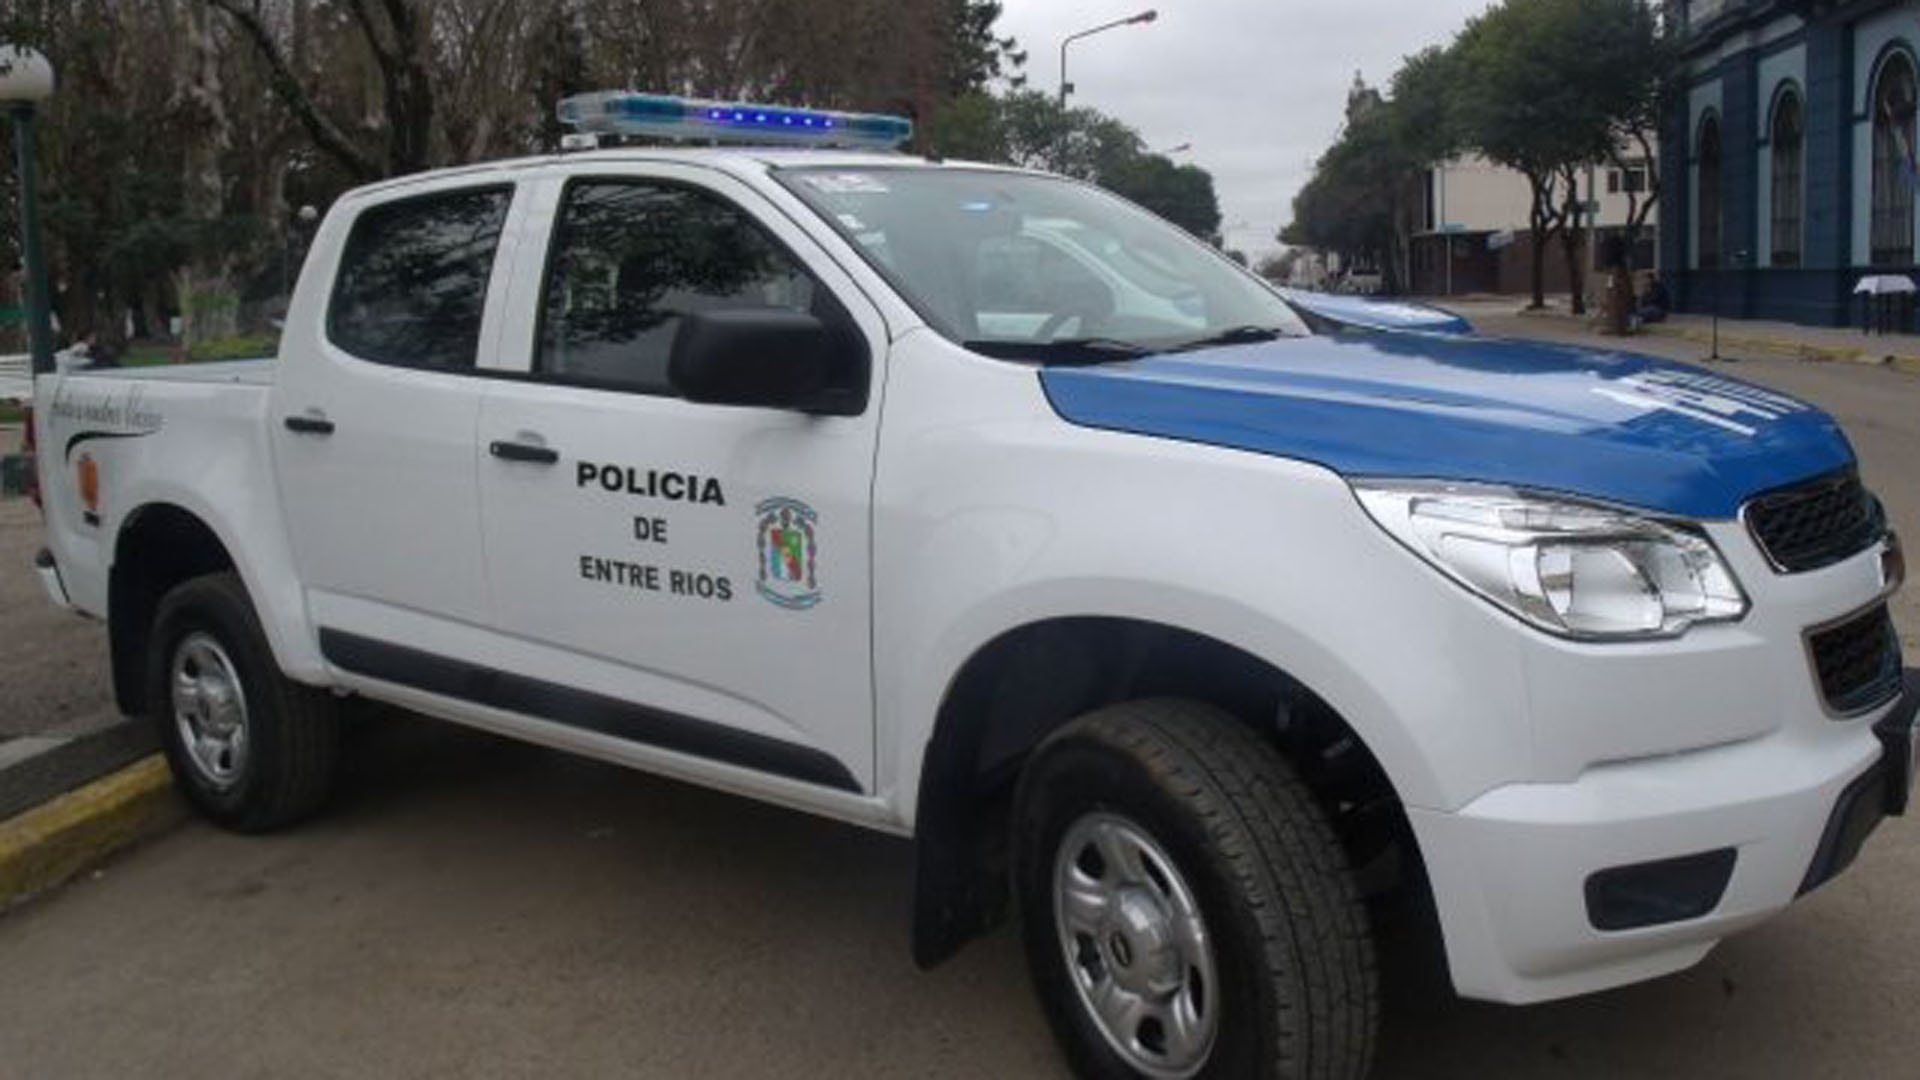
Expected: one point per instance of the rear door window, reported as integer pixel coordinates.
(412, 288)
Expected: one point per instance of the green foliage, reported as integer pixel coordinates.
(1279, 266)
(1556, 86)
(1553, 79)
(1357, 202)
(1425, 111)
(1183, 194)
(185, 133)
(1545, 87)
(146, 356)
(976, 56)
(1032, 130)
(242, 347)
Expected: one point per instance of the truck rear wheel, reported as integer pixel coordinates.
(251, 749)
(1187, 911)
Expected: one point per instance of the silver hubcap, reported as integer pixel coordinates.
(1136, 946)
(210, 709)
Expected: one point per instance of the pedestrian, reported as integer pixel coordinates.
(1655, 303)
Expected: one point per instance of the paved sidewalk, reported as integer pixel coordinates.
(1760, 337)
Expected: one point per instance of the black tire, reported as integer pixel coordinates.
(1297, 994)
(292, 732)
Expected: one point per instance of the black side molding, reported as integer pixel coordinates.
(581, 709)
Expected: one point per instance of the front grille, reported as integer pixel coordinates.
(1817, 523)
(1858, 662)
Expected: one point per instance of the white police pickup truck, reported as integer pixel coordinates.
(980, 506)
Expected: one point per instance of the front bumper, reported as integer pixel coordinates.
(1511, 870)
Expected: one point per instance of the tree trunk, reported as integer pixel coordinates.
(1576, 266)
(210, 305)
(1537, 221)
(1571, 213)
(1538, 234)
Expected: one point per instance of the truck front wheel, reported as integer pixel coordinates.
(1186, 909)
(251, 749)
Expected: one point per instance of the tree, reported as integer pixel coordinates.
(977, 56)
(1183, 194)
(1552, 83)
(1279, 266)
(1365, 191)
(392, 36)
(209, 303)
(187, 131)
(1652, 76)
(1033, 130)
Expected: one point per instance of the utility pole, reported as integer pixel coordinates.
(26, 79)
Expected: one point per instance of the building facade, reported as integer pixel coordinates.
(1476, 214)
(1795, 124)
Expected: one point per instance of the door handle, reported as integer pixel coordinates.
(309, 425)
(528, 452)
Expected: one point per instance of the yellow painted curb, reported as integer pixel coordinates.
(51, 843)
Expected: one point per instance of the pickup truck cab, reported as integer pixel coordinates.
(842, 480)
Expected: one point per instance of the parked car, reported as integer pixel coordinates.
(1346, 312)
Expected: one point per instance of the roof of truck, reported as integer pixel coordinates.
(734, 159)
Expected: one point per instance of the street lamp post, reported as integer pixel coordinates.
(1131, 20)
(26, 79)
(297, 231)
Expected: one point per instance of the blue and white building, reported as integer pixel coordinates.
(1792, 143)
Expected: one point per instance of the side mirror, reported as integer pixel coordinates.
(768, 357)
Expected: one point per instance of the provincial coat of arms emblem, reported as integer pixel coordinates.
(788, 547)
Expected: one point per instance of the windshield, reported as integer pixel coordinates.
(1031, 266)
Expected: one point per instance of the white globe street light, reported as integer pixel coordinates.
(25, 75)
(26, 79)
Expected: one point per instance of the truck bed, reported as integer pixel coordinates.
(115, 440)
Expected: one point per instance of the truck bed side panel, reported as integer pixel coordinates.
(116, 443)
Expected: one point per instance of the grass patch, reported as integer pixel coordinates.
(244, 347)
(146, 356)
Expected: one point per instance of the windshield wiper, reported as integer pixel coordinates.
(1239, 335)
(1075, 351)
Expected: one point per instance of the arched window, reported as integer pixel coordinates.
(1789, 157)
(1708, 156)
(1893, 169)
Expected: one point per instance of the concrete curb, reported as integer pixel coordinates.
(52, 843)
(36, 769)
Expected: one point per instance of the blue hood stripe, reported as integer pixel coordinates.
(1625, 429)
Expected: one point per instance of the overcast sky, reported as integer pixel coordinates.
(1257, 86)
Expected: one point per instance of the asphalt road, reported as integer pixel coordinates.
(476, 908)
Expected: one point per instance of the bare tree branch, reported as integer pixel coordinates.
(326, 136)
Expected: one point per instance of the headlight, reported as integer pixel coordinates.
(1569, 568)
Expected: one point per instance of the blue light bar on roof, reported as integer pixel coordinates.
(661, 116)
